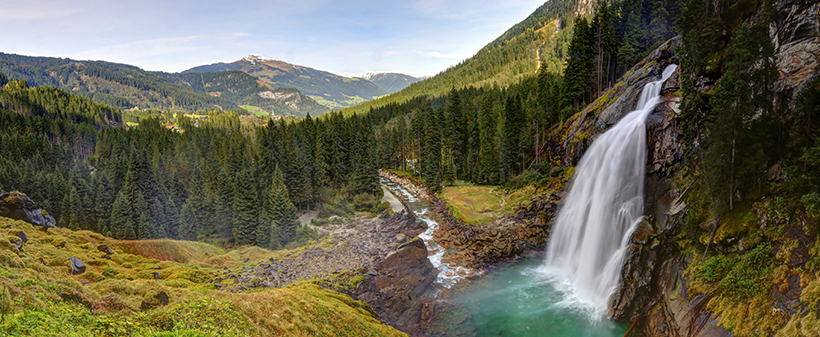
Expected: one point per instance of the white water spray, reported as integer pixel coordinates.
(604, 206)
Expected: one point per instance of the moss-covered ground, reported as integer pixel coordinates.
(47, 300)
(760, 273)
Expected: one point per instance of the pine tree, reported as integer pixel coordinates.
(488, 140)
(263, 231)
(454, 130)
(432, 150)
(742, 102)
(281, 211)
(246, 213)
(188, 229)
(511, 141)
(104, 195)
(122, 224)
(223, 204)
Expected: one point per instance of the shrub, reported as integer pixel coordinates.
(339, 205)
(365, 202)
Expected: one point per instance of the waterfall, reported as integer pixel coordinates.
(604, 206)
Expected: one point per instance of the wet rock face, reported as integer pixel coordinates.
(617, 102)
(794, 34)
(395, 290)
(18, 206)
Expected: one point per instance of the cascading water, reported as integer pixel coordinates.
(603, 208)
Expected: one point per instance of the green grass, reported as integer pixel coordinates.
(115, 288)
(480, 204)
(257, 111)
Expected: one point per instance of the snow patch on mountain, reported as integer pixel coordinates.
(254, 58)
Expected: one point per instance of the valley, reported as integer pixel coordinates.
(601, 168)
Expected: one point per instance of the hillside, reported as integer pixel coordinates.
(127, 86)
(543, 36)
(245, 89)
(155, 288)
(391, 82)
(330, 90)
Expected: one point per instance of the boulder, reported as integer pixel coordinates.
(18, 206)
(22, 237)
(149, 304)
(162, 297)
(105, 249)
(395, 290)
(77, 266)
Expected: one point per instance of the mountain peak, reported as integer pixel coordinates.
(253, 58)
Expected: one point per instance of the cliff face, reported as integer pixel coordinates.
(654, 289)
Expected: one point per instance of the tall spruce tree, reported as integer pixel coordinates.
(246, 213)
(188, 228)
(281, 211)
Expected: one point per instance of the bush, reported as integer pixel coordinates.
(339, 205)
(365, 202)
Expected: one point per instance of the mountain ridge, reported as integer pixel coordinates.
(328, 89)
(126, 86)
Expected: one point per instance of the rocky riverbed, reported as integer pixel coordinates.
(355, 248)
(482, 245)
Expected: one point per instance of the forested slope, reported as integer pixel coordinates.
(542, 41)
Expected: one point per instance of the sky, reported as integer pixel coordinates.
(416, 37)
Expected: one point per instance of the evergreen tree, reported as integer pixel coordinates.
(223, 204)
(511, 141)
(122, 224)
(188, 229)
(246, 213)
(281, 211)
(432, 150)
(488, 140)
(263, 231)
(742, 103)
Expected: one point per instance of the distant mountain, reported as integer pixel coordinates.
(391, 82)
(127, 86)
(245, 89)
(331, 90)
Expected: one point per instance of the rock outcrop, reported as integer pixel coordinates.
(478, 246)
(794, 34)
(619, 100)
(396, 289)
(18, 206)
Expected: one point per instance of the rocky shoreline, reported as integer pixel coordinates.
(484, 245)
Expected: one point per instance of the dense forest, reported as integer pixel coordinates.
(625, 31)
(215, 179)
(493, 135)
(219, 179)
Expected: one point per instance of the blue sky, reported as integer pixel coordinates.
(419, 37)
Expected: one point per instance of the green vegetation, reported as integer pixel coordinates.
(214, 173)
(329, 90)
(481, 204)
(751, 225)
(620, 33)
(130, 87)
(493, 135)
(46, 299)
(255, 110)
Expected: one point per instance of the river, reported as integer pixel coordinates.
(518, 299)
